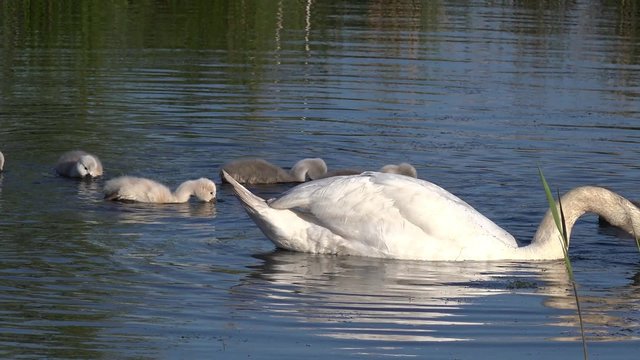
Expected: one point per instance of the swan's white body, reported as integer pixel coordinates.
(1, 161)
(259, 171)
(135, 189)
(393, 216)
(78, 164)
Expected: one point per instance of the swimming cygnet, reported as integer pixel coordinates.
(401, 169)
(78, 164)
(1, 161)
(405, 169)
(135, 189)
(259, 171)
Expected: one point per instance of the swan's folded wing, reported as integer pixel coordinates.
(397, 214)
(441, 214)
(305, 195)
(353, 207)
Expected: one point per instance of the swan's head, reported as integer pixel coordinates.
(314, 168)
(205, 189)
(1, 161)
(402, 169)
(88, 165)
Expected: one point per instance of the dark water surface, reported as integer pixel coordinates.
(475, 94)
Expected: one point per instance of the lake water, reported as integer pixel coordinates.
(475, 94)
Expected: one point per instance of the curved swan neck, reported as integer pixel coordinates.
(587, 199)
(184, 191)
(315, 168)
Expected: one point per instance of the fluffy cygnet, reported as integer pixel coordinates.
(135, 189)
(401, 169)
(405, 169)
(78, 164)
(259, 171)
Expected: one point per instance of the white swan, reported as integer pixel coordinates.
(259, 171)
(394, 216)
(1, 161)
(135, 189)
(78, 164)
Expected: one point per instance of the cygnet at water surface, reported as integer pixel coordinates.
(78, 164)
(136, 189)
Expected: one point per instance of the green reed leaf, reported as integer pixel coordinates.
(564, 238)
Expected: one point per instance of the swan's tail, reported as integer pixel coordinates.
(252, 203)
(284, 227)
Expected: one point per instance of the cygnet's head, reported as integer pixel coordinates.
(401, 169)
(205, 189)
(88, 165)
(314, 168)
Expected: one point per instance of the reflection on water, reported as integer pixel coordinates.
(364, 299)
(128, 213)
(382, 301)
(609, 310)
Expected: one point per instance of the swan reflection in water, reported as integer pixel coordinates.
(361, 298)
(144, 213)
(609, 311)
